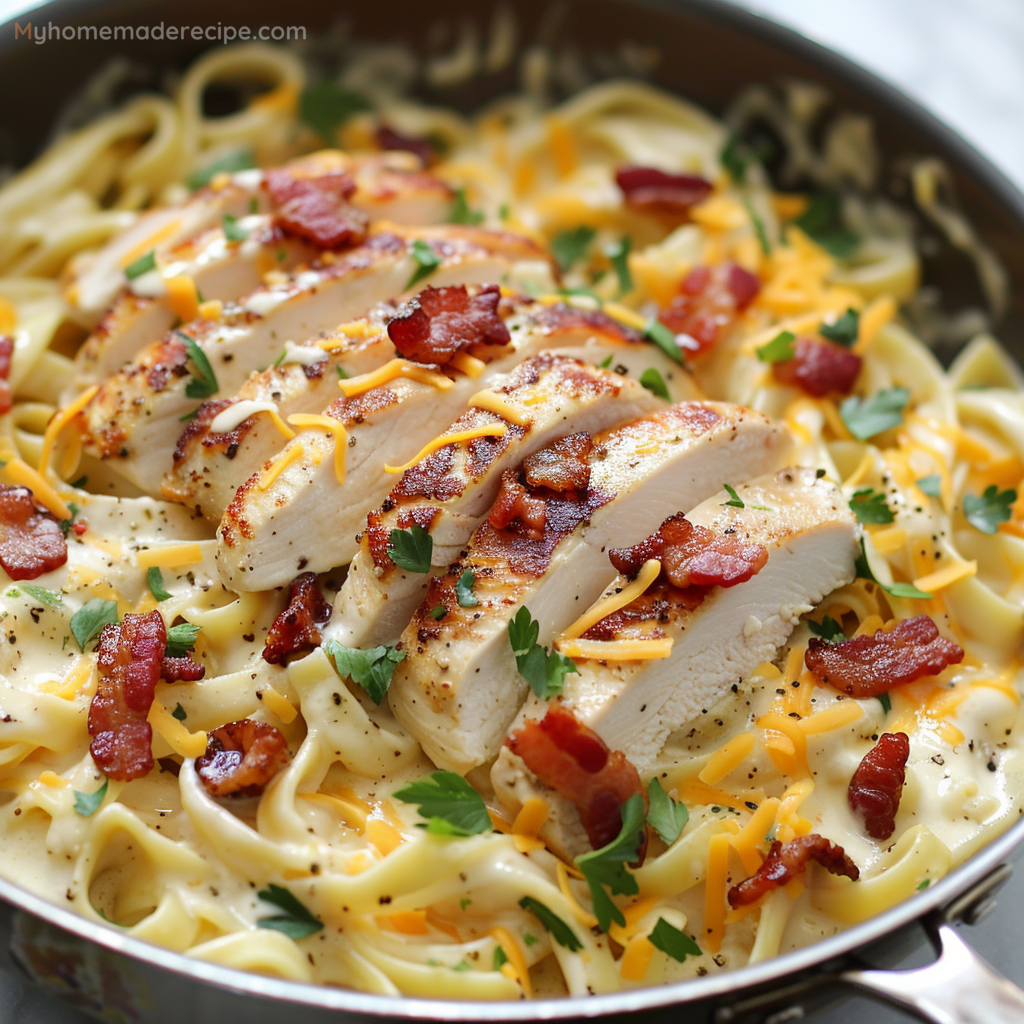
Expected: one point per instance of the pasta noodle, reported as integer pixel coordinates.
(389, 906)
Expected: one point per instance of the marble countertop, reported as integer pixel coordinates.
(965, 62)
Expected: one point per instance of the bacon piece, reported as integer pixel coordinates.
(786, 861)
(130, 657)
(6, 351)
(709, 301)
(562, 465)
(819, 368)
(31, 540)
(514, 502)
(693, 555)
(317, 208)
(442, 321)
(877, 784)
(575, 762)
(181, 670)
(661, 192)
(868, 666)
(298, 627)
(241, 758)
(388, 138)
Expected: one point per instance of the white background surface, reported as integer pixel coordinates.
(964, 59)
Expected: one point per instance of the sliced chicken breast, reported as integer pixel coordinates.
(459, 688)
(135, 419)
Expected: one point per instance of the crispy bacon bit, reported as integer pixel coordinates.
(130, 658)
(31, 540)
(181, 670)
(877, 784)
(442, 321)
(298, 627)
(693, 555)
(241, 758)
(388, 138)
(786, 861)
(868, 666)
(317, 209)
(562, 465)
(819, 368)
(6, 351)
(709, 301)
(514, 502)
(661, 192)
(575, 762)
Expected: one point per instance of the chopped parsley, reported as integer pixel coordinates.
(544, 671)
(233, 232)
(450, 804)
(844, 331)
(464, 590)
(553, 924)
(48, 597)
(204, 381)
(236, 160)
(569, 247)
(325, 107)
(870, 508)
(866, 417)
(672, 942)
(654, 382)
(828, 629)
(295, 920)
(181, 639)
(155, 581)
(657, 332)
(427, 259)
(88, 622)
(665, 815)
(143, 265)
(462, 213)
(411, 549)
(618, 253)
(864, 572)
(986, 511)
(779, 350)
(371, 668)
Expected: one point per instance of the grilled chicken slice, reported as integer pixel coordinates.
(459, 688)
(267, 535)
(224, 268)
(717, 635)
(388, 185)
(450, 492)
(135, 419)
(209, 468)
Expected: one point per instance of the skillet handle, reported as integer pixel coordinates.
(958, 988)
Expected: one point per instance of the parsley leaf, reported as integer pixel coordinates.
(844, 331)
(607, 866)
(569, 247)
(822, 222)
(371, 668)
(427, 259)
(155, 580)
(87, 804)
(657, 332)
(236, 160)
(828, 629)
(759, 228)
(545, 672)
(869, 506)
(181, 639)
(325, 107)
(464, 590)
(618, 253)
(671, 941)
(88, 622)
(411, 549)
(987, 511)
(866, 417)
(654, 382)
(886, 701)
(931, 485)
(204, 381)
(233, 232)
(179, 713)
(451, 805)
(143, 265)
(461, 212)
(48, 597)
(553, 924)
(779, 350)
(896, 589)
(296, 921)
(666, 816)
